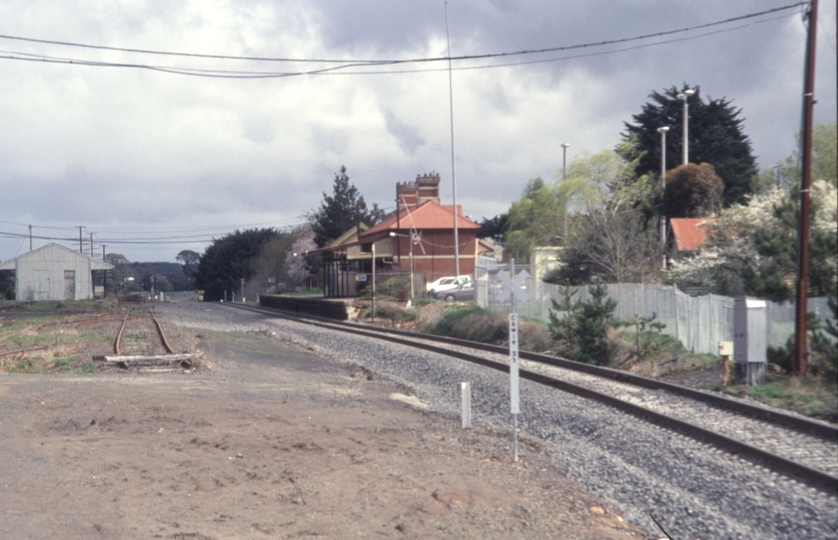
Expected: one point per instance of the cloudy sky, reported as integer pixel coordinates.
(153, 161)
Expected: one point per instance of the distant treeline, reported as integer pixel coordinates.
(136, 276)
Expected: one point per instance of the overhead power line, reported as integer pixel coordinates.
(108, 241)
(298, 220)
(345, 64)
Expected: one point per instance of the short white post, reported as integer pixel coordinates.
(465, 392)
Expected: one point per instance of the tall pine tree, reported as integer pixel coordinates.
(342, 210)
(715, 137)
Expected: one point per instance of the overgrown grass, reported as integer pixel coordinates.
(47, 364)
(13, 337)
(13, 324)
(471, 323)
(72, 305)
(308, 292)
(476, 324)
(89, 367)
(21, 365)
(63, 363)
(43, 306)
(810, 396)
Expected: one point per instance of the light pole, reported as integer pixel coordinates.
(662, 130)
(686, 94)
(373, 282)
(564, 175)
(80, 227)
(410, 238)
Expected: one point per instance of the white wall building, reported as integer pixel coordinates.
(54, 273)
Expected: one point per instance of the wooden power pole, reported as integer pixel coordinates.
(805, 183)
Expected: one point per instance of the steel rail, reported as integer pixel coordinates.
(117, 346)
(806, 474)
(798, 423)
(162, 334)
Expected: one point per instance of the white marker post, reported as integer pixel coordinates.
(465, 391)
(513, 365)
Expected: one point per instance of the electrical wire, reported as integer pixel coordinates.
(345, 64)
(564, 58)
(221, 228)
(108, 241)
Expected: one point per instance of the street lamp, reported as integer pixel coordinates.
(393, 235)
(564, 175)
(687, 93)
(662, 130)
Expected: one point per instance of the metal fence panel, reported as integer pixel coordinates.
(699, 322)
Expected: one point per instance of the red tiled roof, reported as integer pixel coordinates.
(429, 215)
(689, 233)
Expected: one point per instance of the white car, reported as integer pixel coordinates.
(437, 288)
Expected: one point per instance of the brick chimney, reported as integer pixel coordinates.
(427, 187)
(413, 194)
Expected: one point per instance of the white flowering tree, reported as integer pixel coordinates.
(299, 263)
(752, 248)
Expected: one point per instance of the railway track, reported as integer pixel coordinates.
(804, 449)
(141, 335)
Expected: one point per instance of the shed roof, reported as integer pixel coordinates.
(689, 233)
(349, 236)
(44, 251)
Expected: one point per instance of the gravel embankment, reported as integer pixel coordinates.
(800, 447)
(692, 489)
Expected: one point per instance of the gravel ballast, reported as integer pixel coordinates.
(692, 489)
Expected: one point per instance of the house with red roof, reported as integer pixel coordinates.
(417, 238)
(688, 235)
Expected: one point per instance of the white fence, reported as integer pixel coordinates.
(699, 322)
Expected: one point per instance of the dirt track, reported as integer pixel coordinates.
(271, 443)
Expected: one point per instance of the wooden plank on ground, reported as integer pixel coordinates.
(151, 360)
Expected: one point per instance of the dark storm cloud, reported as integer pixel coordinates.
(146, 149)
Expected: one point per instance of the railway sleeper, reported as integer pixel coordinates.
(152, 362)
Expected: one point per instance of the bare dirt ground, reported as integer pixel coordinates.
(272, 442)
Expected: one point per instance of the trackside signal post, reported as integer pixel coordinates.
(514, 393)
(513, 379)
(512, 287)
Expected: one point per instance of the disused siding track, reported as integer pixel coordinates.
(147, 346)
(162, 335)
(795, 446)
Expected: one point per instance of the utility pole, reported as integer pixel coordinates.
(373, 282)
(662, 130)
(564, 175)
(104, 276)
(30, 238)
(453, 169)
(685, 149)
(91, 245)
(805, 183)
(80, 227)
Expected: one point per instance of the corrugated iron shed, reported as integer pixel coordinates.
(53, 273)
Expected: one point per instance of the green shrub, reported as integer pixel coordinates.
(62, 363)
(582, 331)
(89, 367)
(392, 287)
(648, 337)
(472, 323)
